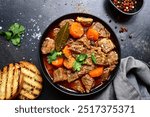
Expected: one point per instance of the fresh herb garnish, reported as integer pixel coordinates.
(14, 33)
(79, 61)
(93, 58)
(62, 37)
(77, 66)
(81, 57)
(53, 56)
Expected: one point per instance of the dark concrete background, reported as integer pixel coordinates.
(36, 15)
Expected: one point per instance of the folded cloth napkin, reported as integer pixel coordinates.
(132, 82)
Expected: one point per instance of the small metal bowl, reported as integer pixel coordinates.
(136, 10)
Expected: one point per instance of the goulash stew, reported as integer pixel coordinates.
(79, 54)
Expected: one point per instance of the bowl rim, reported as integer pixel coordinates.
(130, 14)
(63, 90)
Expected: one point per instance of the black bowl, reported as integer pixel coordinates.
(68, 91)
(136, 10)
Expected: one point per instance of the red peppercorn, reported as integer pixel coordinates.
(125, 5)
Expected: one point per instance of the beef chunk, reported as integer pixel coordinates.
(77, 48)
(84, 41)
(62, 23)
(103, 32)
(72, 76)
(99, 55)
(55, 31)
(48, 46)
(88, 82)
(100, 59)
(85, 69)
(84, 21)
(59, 75)
(105, 74)
(106, 45)
(112, 58)
(89, 61)
(77, 86)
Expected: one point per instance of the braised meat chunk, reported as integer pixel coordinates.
(112, 58)
(106, 45)
(85, 69)
(55, 31)
(48, 46)
(72, 76)
(89, 61)
(88, 82)
(83, 40)
(106, 73)
(77, 47)
(84, 21)
(77, 86)
(62, 23)
(103, 32)
(100, 59)
(59, 75)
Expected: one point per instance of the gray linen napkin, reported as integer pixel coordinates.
(132, 82)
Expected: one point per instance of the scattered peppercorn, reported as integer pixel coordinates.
(125, 5)
(123, 29)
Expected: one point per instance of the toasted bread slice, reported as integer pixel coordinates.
(32, 84)
(11, 81)
(16, 80)
(29, 66)
(3, 84)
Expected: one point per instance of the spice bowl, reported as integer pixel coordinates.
(128, 7)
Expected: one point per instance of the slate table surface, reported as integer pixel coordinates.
(36, 16)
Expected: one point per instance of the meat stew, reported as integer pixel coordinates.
(87, 59)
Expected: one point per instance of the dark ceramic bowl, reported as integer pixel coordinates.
(68, 91)
(136, 10)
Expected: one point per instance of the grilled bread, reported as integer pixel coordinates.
(10, 81)
(32, 84)
(20, 80)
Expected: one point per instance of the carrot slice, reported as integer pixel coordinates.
(92, 34)
(76, 30)
(58, 62)
(68, 63)
(66, 51)
(96, 72)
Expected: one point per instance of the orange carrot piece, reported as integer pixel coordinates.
(66, 51)
(92, 34)
(58, 62)
(96, 72)
(68, 63)
(76, 30)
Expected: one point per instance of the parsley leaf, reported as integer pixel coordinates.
(14, 33)
(79, 61)
(93, 58)
(81, 57)
(53, 56)
(77, 66)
